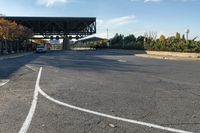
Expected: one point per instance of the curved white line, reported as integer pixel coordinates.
(29, 117)
(110, 116)
(4, 82)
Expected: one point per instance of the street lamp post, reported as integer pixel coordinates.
(187, 34)
(187, 37)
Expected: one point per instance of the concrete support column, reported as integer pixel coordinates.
(66, 44)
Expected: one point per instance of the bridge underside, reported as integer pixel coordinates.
(73, 27)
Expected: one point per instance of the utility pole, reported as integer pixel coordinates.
(108, 43)
(187, 34)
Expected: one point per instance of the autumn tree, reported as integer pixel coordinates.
(11, 31)
(5, 31)
(162, 39)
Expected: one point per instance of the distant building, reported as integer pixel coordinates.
(88, 40)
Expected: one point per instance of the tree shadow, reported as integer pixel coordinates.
(92, 61)
(11, 65)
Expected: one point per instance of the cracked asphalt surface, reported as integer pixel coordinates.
(113, 82)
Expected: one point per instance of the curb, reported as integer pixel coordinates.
(166, 57)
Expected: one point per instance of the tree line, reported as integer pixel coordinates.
(14, 37)
(150, 41)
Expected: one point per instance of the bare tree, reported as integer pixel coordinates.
(151, 35)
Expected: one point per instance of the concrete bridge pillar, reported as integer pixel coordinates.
(66, 43)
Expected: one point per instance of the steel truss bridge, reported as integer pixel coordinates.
(71, 27)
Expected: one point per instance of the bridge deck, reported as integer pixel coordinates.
(78, 26)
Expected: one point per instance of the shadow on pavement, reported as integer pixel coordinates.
(12, 65)
(90, 61)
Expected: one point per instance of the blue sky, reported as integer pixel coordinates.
(119, 16)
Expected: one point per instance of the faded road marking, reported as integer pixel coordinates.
(3, 82)
(29, 117)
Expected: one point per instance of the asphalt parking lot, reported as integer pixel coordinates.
(103, 91)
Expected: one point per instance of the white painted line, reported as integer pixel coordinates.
(30, 67)
(4, 81)
(110, 116)
(122, 61)
(29, 117)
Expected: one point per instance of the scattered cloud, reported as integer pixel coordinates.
(148, 1)
(49, 3)
(152, 1)
(115, 22)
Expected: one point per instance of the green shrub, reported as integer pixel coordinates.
(174, 44)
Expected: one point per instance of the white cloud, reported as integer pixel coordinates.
(148, 1)
(115, 22)
(152, 1)
(49, 3)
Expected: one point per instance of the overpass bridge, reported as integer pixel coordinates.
(64, 27)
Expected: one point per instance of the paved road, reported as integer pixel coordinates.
(113, 82)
